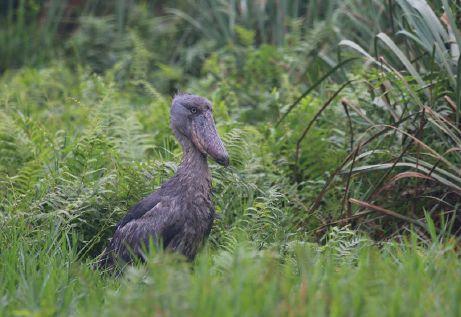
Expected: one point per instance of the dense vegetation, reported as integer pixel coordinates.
(342, 120)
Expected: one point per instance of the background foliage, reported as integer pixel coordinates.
(342, 119)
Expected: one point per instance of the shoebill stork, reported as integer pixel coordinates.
(179, 215)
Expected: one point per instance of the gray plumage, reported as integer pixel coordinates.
(180, 213)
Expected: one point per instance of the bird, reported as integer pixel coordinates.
(180, 214)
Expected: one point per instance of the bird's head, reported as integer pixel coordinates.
(192, 118)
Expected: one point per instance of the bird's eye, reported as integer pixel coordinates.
(193, 110)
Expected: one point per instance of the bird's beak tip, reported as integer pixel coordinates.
(224, 161)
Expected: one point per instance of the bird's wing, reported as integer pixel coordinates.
(158, 221)
(156, 224)
(140, 209)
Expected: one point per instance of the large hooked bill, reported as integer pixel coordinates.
(206, 138)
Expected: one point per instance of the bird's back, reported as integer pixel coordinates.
(174, 217)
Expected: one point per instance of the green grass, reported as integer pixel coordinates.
(71, 166)
(348, 276)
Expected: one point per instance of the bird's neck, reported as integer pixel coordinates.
(193, 170)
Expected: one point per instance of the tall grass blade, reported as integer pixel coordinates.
(405, 61)
(315, 85)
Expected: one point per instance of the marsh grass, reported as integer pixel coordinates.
(41, 275)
